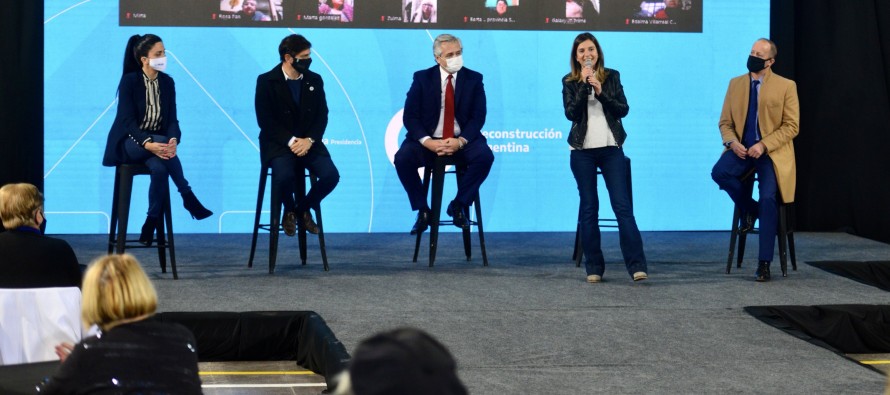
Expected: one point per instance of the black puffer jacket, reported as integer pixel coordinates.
(574, 99)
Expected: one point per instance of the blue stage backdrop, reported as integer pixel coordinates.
(674, 75)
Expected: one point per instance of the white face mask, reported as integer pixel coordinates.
(159, 64)
(454, 64)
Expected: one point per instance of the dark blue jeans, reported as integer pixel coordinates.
(287, 170)
(160, 170)
(726, 174)
(614, 166)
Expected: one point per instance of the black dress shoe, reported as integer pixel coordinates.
(762, 271)
(458, 214)
(307, 223)
(421, 223)
(289, 223)
(148, 231)
(747, 222)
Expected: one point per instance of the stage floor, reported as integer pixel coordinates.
(529, 323)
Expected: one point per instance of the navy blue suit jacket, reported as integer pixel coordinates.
(424, 103)
(131, 112)
(280, 118)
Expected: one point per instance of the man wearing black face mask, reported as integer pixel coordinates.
(760, 118)
(292, 113)
(28, 259)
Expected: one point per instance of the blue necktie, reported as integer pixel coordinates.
(750, 136)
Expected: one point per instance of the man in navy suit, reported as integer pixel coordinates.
(444, 113)
(292, 112)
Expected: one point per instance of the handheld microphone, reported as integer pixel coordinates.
(589, 63)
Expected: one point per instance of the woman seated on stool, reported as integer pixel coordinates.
(131, 353)
(146, 130)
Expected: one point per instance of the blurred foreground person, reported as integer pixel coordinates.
(401, 361)
(28, 259)
(131, 353)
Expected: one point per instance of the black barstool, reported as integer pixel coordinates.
(120, 212)
(436, 173)
(274, 225)
(578, 253)
(785, 231)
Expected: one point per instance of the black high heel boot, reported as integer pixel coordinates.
(195, 208)
(148, 231)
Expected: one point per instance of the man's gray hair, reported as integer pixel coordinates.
(444, 38)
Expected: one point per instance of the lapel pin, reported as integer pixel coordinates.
(311, 88)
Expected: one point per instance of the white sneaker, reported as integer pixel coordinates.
(640, 276)
(594, 278)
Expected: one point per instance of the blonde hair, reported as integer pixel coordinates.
(115, 289)
(18, 204)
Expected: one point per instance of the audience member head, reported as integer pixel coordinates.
(249, 8)
(138, 52)
(402, 361)
(501, 7)
(586, 48)
(21, 205)
(426, 9)
(116, 291)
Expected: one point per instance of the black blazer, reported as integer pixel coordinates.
(574, 98)
(280, 119)
(131, 112)
(32, 260)
(424, 103)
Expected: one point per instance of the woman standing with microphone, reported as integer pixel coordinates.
(146, 130)
(594, 101)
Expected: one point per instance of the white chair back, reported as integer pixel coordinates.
(34, 320)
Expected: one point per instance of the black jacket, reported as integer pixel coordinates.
(280, 119)
(142, 357)
(574, 99)
(131, 112)
(32, 260)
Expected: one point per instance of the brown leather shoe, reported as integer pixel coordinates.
(307, 223)
(289, 223)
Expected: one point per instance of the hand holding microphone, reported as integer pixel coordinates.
(590, 76)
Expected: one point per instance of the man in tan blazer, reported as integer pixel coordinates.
(760, 118)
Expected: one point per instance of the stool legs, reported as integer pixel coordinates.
(112, 231)
(733, 235)
(120, 212)
(124, 192)
(426, 187)
(435, 175)
(785, 235)
(167, 239)
(438, 182)
(481, 231)
(256, 219)
(274, 226)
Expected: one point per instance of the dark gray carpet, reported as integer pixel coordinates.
(529, 324)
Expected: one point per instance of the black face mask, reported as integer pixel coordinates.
(43, 226)
(756, 64)
(301, 65)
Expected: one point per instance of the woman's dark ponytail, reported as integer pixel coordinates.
(138, 47)
(131, 64)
